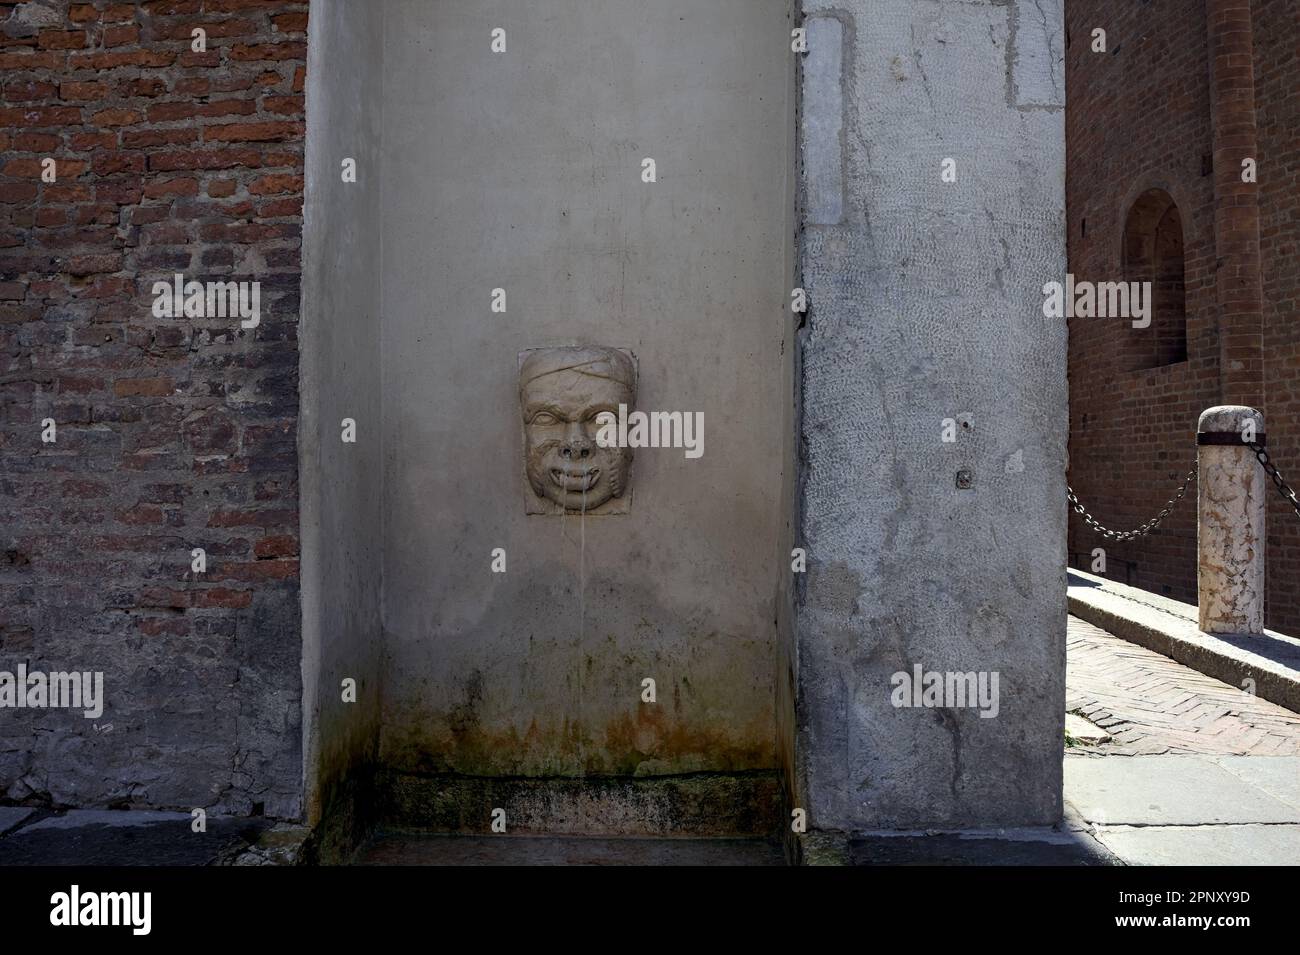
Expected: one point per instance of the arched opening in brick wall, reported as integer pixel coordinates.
(1153, 252)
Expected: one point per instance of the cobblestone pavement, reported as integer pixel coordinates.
(1151, 705)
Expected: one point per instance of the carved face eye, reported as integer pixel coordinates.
(544, 417)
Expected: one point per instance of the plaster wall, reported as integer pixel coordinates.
(522, 171)
(341, 488)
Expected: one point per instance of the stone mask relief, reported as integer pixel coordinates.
(561, 391)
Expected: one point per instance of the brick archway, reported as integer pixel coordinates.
(1152, 251)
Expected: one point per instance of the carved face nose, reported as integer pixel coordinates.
(577, 445)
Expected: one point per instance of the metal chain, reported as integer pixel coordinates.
(1287, 492)
(1146, 528)
(1271, 470)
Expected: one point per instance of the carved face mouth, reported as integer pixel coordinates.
(573, 480)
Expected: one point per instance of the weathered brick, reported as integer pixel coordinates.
(153, 412)
(108, 163)
(17, 191)
(37, 142)
(280, 208)
(285, 105)
(24, 90)
(142, 514)
(204, 159)
(109, 61)
(261, 570)
(40, 116)
(180, 28)
(121, 35)
(280, 545)
(67, 192)
(23, 168)
(290, 22)
(143, 86)
(252, 132)
(166, 8)
(253, 518)
(143, 387)
(275, 184)
(83, 90)
(141, 138)
(163, 626)
(269, 51)
(193, 86)
(224, 597)
(176, 186)
(62, 39)
(163, 597)
(27, 60)
(117, 117)
(121, 192)
(99, 139)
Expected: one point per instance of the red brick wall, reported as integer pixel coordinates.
(173, 433)
(1138, 117)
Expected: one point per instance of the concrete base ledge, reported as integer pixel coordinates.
(703, 804)
(1169, 627)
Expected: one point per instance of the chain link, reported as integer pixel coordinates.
(1271, 470)
(1142, 531)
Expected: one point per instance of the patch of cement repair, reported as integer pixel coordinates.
(1084, 731)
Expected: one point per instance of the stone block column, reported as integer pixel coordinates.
(933, 184)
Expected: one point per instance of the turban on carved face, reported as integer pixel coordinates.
(597, 362)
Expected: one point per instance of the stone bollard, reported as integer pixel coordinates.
(1231, 489)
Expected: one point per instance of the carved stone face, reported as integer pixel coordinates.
(561, 391)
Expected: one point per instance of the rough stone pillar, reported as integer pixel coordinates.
(1236, 203)
(933, 177)
(1230, 538)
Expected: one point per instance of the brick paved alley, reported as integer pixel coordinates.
(1195, 771)
(1151, 705)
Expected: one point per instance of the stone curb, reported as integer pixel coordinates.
(1169, 627)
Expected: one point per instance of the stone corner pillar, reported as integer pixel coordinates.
(1230, 537)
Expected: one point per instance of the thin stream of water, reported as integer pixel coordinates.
(582, 586)
(582, 561)
(582, 599)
